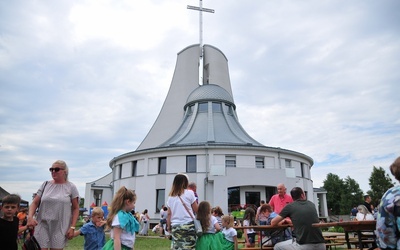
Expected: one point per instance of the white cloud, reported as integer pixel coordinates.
(84, 81)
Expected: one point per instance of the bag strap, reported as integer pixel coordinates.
(186, 207)
(42, 194)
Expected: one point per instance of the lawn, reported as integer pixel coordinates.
(142, 242)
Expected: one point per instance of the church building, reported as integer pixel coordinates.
(197, 132)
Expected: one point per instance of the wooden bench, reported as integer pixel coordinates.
(259, 230)
(333, 244)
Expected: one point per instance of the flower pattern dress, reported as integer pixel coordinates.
(388, 219)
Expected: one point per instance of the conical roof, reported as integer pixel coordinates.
(210, 118)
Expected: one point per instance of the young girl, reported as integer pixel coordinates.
(208, 241)
(121, 221)
(217, 212)
(249, 220)
(229, 240)
(144, 218)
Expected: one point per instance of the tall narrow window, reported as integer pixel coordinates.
(230, 161)
(259, 162)
(288, 163)
(119, 171)
(302, 169)
(160, 196)
(134, 168)
(191, 164)
(162, 165)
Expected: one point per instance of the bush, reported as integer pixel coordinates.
(336, 229)
(239, 233)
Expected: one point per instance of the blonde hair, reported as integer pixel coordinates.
(228, 219)
(63, 164)
(97, 211)
(118, 202)
(363, 209)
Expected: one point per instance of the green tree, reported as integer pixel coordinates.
(379, 182)
(334, 187)
(352, 195)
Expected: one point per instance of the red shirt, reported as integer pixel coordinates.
(278, 203)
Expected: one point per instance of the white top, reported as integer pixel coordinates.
(162, 212)
(229, 233)
(179, 215)
(211, 228)
(127, 238)
(361, 216)
(246, 223)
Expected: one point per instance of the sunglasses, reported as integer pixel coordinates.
(55, 169)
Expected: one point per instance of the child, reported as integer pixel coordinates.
(217, 212)
(121, 221)
(144, 218)
(273, 237)
(249, 220)
(229, 241)
(208, 241)
(93, 231)
(22, 222)
(9, 222)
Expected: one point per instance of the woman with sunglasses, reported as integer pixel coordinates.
(59, 209)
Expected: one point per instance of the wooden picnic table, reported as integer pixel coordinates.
(358, 227)
(263, 228)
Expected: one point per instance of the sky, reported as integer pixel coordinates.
(83, 81)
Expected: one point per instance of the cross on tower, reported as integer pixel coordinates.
(201, 10)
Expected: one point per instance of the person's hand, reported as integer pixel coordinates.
(101, 223)
(31, 223)
(70, 233)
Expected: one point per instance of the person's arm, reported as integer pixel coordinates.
(276, 220)
(22, 228)
(235, 242)
(117, 238)
(168, 221)
(31, 222)
(195, 207)
(75, 215)
(77, 233)
(217, 227)
(258, 215)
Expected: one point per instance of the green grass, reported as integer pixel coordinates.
(142, 242)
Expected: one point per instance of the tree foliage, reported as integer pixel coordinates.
(333, 185)
(379, 182)
(342, 195)
(351, 195)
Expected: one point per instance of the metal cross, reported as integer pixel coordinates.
(201, 10)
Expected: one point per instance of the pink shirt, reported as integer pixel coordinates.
(278, 203)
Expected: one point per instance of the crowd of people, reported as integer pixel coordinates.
(52, 217)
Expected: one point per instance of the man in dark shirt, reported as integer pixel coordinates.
(367, 202)
(303, 214)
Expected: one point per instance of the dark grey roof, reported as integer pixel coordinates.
(209, 92)
(216, 124)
